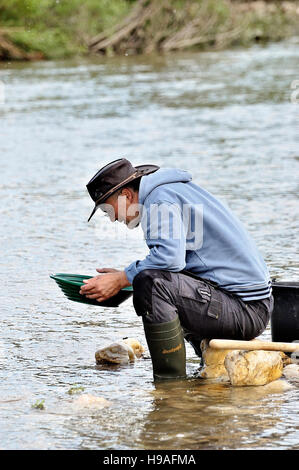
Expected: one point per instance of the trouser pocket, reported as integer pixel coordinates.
(215, 307)
(200, 308)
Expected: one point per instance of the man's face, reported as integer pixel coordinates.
(123, 207)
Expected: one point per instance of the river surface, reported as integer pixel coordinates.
(229, 118)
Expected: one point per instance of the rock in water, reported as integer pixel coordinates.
(117, 353)
(135, 345)
(91, 401)
(120, 352)
(277, 386)
(291, 373)
(253, 367)
(213, 362)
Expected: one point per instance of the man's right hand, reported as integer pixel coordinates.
(103, 287)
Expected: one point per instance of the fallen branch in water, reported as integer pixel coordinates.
(191, 28)
(9, 50)
(217, 39)
(153, 25)
(93, 44)
(126, 27)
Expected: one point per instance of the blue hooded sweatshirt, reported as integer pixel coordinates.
(186, 228)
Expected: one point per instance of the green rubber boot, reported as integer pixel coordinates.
(167, 349)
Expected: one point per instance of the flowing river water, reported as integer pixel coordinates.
(229, 117)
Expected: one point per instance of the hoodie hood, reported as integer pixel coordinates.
(162, 176)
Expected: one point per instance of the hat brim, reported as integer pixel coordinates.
(143, 170)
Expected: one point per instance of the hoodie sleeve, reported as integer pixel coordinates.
(165, 235)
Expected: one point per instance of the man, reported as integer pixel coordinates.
(203, 276)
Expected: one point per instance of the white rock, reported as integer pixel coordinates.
(253, 367)
(90, 401)
(135, 345)
(120, 352)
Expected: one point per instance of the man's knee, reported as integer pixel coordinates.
(147, 276)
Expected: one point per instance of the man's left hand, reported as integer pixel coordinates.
(104, 286)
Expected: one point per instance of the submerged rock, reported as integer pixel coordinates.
(253, 367)
(90, 401)
(291, 373)
(277, 386)
(120, 352)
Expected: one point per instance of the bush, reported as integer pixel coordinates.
(58, 28)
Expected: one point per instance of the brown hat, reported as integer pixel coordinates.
(113, 177)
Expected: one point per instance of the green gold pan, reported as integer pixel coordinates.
(70, 285)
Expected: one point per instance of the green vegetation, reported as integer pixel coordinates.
(57, 28)
(51, 29)
(75, 389)
(39, 404)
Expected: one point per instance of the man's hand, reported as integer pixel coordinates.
(107, 270)
(104, 286)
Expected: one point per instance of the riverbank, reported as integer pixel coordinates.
(53, 29)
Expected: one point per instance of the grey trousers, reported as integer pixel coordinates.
(204, 310)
